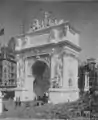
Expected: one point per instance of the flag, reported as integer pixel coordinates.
(2, 32)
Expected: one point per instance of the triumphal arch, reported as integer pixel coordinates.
(50, 48)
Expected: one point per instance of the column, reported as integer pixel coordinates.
(65, 71)
(26, 70)
(52, 66)
(75, 71)
(18, 71)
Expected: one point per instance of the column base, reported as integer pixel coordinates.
(62, 96)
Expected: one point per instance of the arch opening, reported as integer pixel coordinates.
(41, 73)
(39, 68)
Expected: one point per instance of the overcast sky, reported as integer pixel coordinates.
(82, 15)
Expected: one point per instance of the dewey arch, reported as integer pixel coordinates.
(59, 46)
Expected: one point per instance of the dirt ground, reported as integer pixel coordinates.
(47, 111)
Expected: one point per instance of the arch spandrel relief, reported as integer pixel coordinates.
(32, 60)
(46, 59)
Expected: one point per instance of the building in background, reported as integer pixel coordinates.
(8, 68)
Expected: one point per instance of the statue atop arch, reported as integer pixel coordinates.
(47, 21)
(36, 24)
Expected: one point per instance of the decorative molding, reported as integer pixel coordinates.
(68, 49)
(63, 90)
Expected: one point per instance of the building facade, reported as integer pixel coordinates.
(91, 75)
(8, 67)
(55, 45)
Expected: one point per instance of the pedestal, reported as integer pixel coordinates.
(62, 96)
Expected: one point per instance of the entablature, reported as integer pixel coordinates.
(53, 34)
(49, 49)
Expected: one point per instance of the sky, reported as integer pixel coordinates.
(82, 15)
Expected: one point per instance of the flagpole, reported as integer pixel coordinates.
(4, 37)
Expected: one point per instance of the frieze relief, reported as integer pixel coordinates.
(36, 52)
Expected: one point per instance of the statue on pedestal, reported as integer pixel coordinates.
(36, 24)
(46, 19)
(42, 24)
(19, 41)
(46, 22)
(61, 21)
(58, 72)
(55, 21)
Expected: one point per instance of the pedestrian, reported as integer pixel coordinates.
(19, 102)
(15, 101)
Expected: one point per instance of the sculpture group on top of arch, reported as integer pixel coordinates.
(46, 22)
